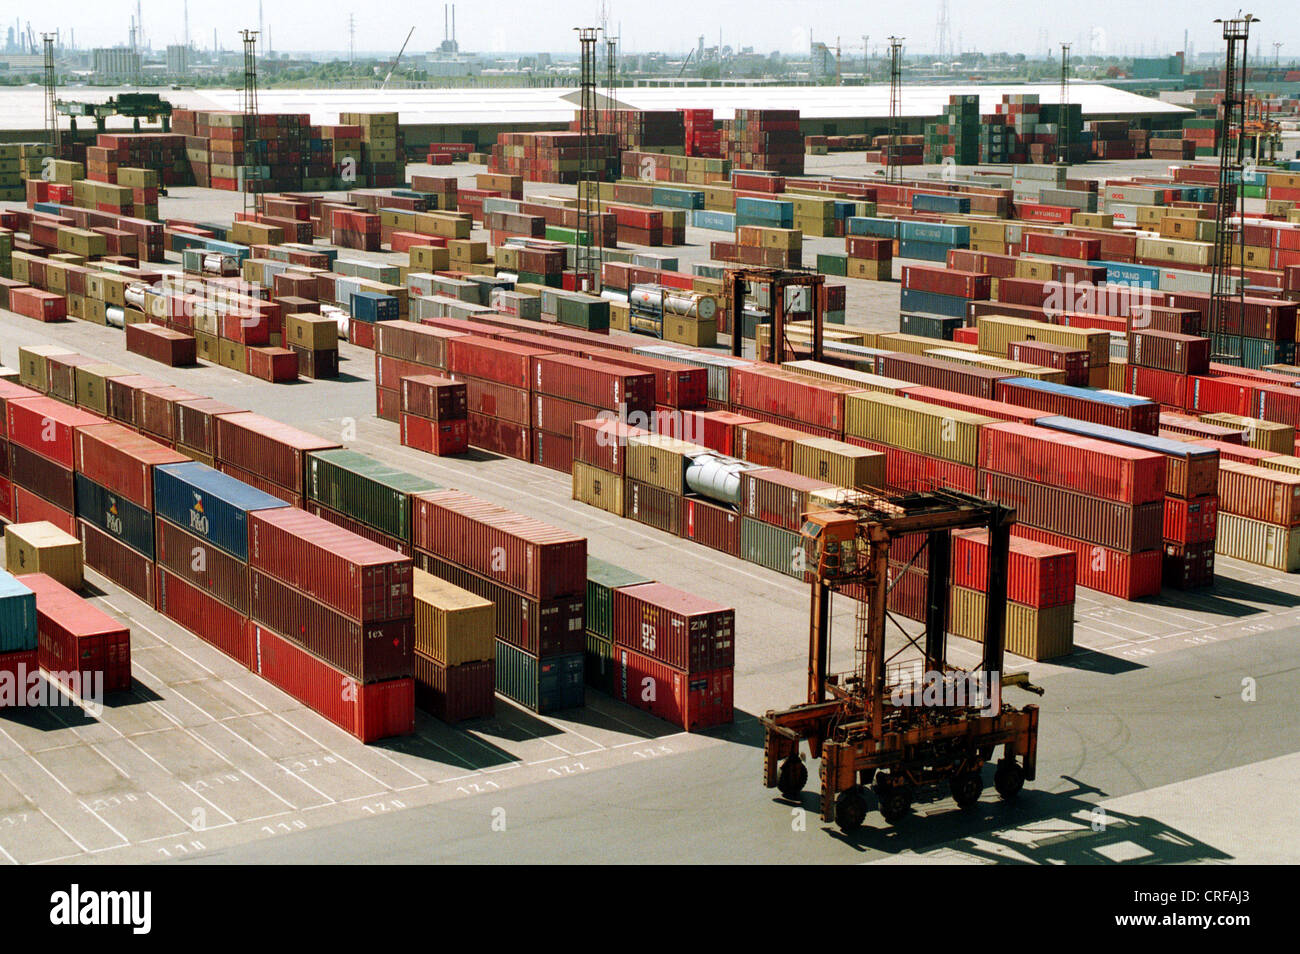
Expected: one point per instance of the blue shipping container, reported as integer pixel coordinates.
(873, 226)
(677, 198)
(932, 202)
(1088, 394)
(1159, 445)
(1122, 273)
(938, 232)
(772, 213)
(209, 504)
(923, 251)
(931, 303)
(370, 307)
(121, 519)
(17, 616)
(719, 221)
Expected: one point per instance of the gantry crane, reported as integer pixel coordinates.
(739, 281)
(872, 727)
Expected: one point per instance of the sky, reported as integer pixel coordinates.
(1113, 27)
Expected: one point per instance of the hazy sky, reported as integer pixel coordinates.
(1111, 26)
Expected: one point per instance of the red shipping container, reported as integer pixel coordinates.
(492, 360)
(273, 364)
(1062, 246)
(201, 565)
(1073, 361)
(491, 399)
(595, 383)
(11, 391)
(155, 410)
(362, 334)
(790, 395)
(1214, 395)
(869, 248)
(369, 652)
(1128, 576)
(1089, 466)
(22, 669)
(964, 402)
(1167, 351)
(1182, 426)
(121, 460)
(6, 499)
(370, 712)
(440, 438)
(207, 617)
(38, 304)
(602, 443)
(652, 506)
(29, 508)
(907, 470)
(267, 448)
(947, 281)
(455, 693)
(132, 571)
(360, 529)
(419, 344)
(46, 426)
(676, 385)
(434, 398)
(164, 345)
(767, 444)
(501, 436)
(1191, 521)
(1130, 528)
(558, 416)
(1277, 403)
(516, 551)
(1168, 388)
(689, 701)
(195, 424)
(123, 396)
(360, 579)
(553, 451)
(715, 430)
(43, 477)
(776, 496)
(75, 640)
(1038, 574)
(712, 525)
(685, 631)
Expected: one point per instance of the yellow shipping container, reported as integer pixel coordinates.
(1029, 632)
(660, 461)
(452, 626)
(1094, 220)
(838, 463)
(690, 331)
(1283, 462)
(998, 331)
(993, 362)
(1264, 435)
(449, 225)
(232, 355)
(41, 547)
(1267, 544)
(315, 332)
(1115, 375)
(429, 258)
(92, 390)
(859, 379)
(598, 488)
(946, 433)
(872, 270)
(918, 344)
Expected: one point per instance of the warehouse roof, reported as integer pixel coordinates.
(22, 107)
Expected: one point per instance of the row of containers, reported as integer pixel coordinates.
(48, 629)
(299, 558)
(1133, 546)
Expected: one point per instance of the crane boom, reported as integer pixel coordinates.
(398, 60)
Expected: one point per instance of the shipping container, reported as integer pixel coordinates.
(519, 552)
(1093, 467)
(1035, 633)
(121, 460)
(208, 568)
(368, 652)
(1129, 576)
(1188, 566)
(209, 504)
(1108, 523)
(603, 579)
(687, 632)
(455, 693)
(1190, 521)
(370, 712)
(366, 489)
(46, 426)
(777, 497)
(711, 524)
(1265, 494)
(42, 547)
(1124, 411)
(772, 547)
(1266, 544)
(1191, 468)
(946, 433)
(121, 519)
(452, 626)
(550, 684)
(1038, 574)
(691, 701)
(195, 425)
(652, 506)
(43, 477)
(78, 646)
(129, 569)
(598, 488)
(206, 616)
(541, 627)
(18, 622)
(267, 448)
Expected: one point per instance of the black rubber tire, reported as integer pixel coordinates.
(966, 788)
(850, 810)
(895, 801)
(1009, 779)
(792, 777)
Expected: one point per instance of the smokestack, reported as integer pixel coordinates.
(453, 24)
(445, 34)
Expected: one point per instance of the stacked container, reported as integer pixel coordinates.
(434, 415)
(534, 574)
(18, 636)
(80, 648)
(455, 650)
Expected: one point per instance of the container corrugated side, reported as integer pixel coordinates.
(602, 580)
(691, 701)
(946, 433)
(452, 625)
(550, 684)
(1267, 544)
(209, 504)
(365, 489)
(772, 547)
(1035, 633)
(206, 616)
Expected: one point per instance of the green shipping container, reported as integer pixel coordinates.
(541, 685)
(17, 616)
(554, 280)
(583, 311)
(772, 547)
(360, 487)
(599, 672)
(602, 580)
(832, 263)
